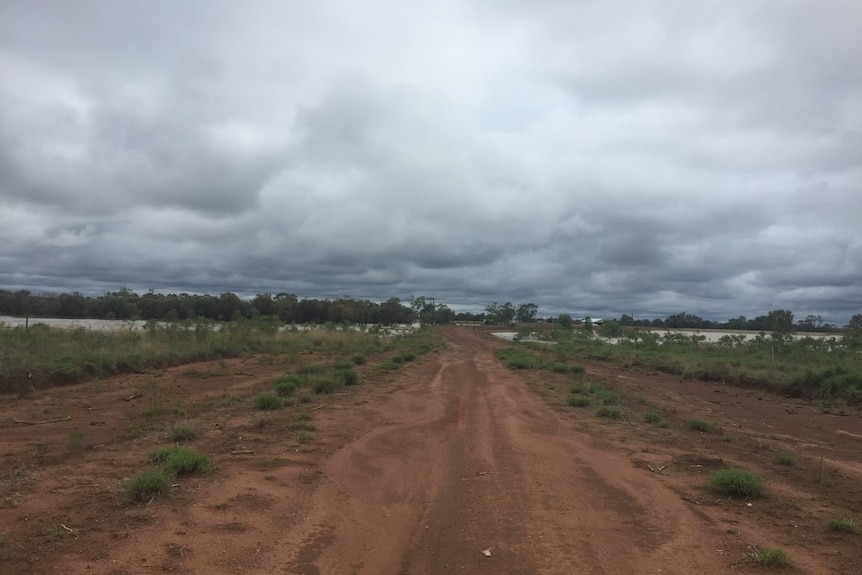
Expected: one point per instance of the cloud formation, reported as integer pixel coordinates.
(591, 157)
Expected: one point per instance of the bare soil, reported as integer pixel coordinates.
(453, 464)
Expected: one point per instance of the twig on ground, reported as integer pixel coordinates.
(67, 418)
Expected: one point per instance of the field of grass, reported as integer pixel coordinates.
(829, 370)
(40, 356)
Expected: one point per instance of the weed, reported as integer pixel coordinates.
(733, 531)
(347, 376)
(408, 356)
(735, 483)
(303, 416)
(57, 533)
(343, 364)
(324, 385)
(287, 384)
(844, 524)
(311, 369)
(785, 459)
(301, 426)
(147, 484)
(771, 557)
(608, 412)
(266, 402)
(700, 425)
(578, 401)
(182, 431)
(134, 431)
(261, 423)
(179, 460)
(358, 359)
(76, 439)
(607, 397)
(304, 437)
(653, 417)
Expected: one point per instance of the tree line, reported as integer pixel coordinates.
(289, 308)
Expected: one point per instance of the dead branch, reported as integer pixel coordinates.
(67, 418)
(242, 452)
(133, 396)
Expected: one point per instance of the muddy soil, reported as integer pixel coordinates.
(453, 464)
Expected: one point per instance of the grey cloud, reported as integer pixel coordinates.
(591, 157)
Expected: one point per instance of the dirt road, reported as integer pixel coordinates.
(474, 461)
(454, 465)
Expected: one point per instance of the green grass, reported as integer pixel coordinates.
(785, 458)
(180, 460)
(653, 417)
(735, 483)
(304, 437)
(358, 359)
(700, 425)
(578, 401)
(287, 384)
(607, 397)
(182, 431)
(346, 376)
(148, 483)
(267, 402)
(771, 557)
(76, 440)
(608, 412)
(844, 524)
(41, 356)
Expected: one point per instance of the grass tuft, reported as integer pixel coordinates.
(653, 417)
(735, 483)
(266, 402)
(785, 459)
(608, 412)
(844, 524)
(578, 401)
(700, 425)
(771, 557)
(148, 483)
(180, 460)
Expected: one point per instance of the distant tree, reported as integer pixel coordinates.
(611, 328)
(626, 320)
(588, 325)
(565, 321)
(780, 321)
(526, 312)
(737, 323)
(856, 322)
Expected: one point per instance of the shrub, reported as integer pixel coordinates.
(844, 524)
(608, 412)
(147, 483)
(311, 369)
(785, 459)
(735, 483)
(607, 397)
(179, 460)
(324, 385)
(577, 369)
(182, 431)
(343, 364)
(266, 401)
(578, 401)
(347, 376)
(701, 425)
(285, 386)
(772, 557)
(652, 417)
(408, 356)
(358, 359)
(304, 436)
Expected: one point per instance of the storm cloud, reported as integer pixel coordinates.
(592, 157)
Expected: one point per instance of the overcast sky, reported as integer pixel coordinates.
(601, 157)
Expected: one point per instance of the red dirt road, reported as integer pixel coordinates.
(424, 471)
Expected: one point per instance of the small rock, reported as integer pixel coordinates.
(486, 552)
